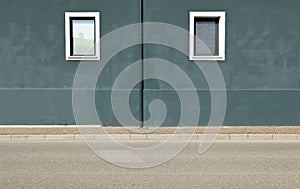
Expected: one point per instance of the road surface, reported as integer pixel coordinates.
(224, 165)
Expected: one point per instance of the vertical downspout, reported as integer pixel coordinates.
(142, 61)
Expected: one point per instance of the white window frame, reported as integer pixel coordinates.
(69, 15)
(221, 15)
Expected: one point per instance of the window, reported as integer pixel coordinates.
(207, 35)
(82, 35)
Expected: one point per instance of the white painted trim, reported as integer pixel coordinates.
(220, 14)
(96, 15)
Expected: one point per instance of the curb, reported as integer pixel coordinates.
(151, 137)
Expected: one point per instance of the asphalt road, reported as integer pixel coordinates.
(224, 165)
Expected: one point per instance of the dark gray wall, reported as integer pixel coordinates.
(35, 79)
(262, 60)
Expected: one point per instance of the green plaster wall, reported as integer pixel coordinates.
(261, 69)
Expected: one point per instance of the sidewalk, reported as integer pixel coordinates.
(72, 133)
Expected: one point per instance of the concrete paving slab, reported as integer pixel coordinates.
(59, 137)
(283, 137)
(5, 138)
(192, 137)
(138, 137)
(162, 137)
(84, 137)
(260, 137)
(19, 137)
(36, 137)
(238, 137)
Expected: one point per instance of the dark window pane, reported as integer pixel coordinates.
(207, 31)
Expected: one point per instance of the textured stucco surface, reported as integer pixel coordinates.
(262, 60)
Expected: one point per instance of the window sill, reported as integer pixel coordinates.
(211, 58)
(83, 58)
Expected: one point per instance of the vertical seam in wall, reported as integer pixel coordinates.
(142, 61)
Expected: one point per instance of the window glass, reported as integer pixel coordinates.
(83, 36)
(206, 40)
